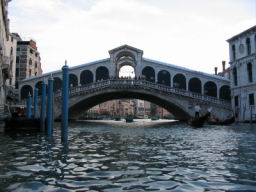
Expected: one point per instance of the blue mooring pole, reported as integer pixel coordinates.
(50, 107)
(65, 90)
(43, 107)
(35, 102)
(29, 105)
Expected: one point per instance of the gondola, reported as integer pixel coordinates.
(224, 122)
(22, 124)
(199, 122)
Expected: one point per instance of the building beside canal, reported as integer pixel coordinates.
(28, 61)
(242, 49)
(4, 59)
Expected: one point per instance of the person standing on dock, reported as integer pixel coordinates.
(197, 110)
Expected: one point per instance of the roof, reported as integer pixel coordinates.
(125, 47)
(252, 29)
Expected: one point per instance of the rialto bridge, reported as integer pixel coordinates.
(173, 87)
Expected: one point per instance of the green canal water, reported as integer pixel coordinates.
(141, 156)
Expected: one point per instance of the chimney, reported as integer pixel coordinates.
(223, 66)
(216, 70)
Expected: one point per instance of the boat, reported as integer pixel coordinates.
(199, 122)
(224, 122)
(129, 119)
(22, 124)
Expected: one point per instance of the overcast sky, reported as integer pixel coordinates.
(188, 33)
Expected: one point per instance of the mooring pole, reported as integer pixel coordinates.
(64, 116)
(50, 107)
(29, 104)
(35, 102)
(43, 107)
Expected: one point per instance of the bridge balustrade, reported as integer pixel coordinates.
(140, 84)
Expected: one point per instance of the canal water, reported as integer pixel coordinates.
(142, 156)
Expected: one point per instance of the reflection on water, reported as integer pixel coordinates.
(131, 157)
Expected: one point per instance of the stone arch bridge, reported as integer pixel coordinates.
(175, 88)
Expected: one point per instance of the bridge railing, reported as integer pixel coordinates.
(140, 84)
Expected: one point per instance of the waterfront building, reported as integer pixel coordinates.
(242, 51)
(4, 59)
(28, 61)
(11, 47)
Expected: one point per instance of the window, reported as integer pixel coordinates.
(35, 73)
(236, 101)
(31, 51)
(11, 52)
(30, 72)
(248, 45)
(30, 61)
(11, 39)
(234, 52)
(249, 72)
(17, 60)
(35, 64)
(17, 72)
(235, 76)
(18, 49)
(251, 99)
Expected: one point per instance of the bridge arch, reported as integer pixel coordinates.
(210, 89)
(57, 84)
(102, 73)
(25, 91)
(86, 77)
(179, 81)
(73, 80)
(164, 78)
(149, 73)
(225, 93)
(195, 85)
(86, 101)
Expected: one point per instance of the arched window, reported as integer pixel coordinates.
(86, 77)
(179, 81)
(210, 89)
(164, 78)
(39, 87)
(248, 45)
(57, 84)
(25, 91)
(225, 93)
(30, 61)
(234, 52)
(102, 73)
(73, 81)
(11, 52)
(249, 72)
(195, 85)
(235, 76)
(149, 74)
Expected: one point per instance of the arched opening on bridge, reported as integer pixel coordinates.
(86, 77)
(149, 74)
(73, 81)
(164, 78)
(102, 73)
(210, 89)
(179, 81)
(225, 93)
(25, 91)
(86, 102)
(39, 87)
(195, 85)
(126, 71)
(57, 84)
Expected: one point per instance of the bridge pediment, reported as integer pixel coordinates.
(125, 55)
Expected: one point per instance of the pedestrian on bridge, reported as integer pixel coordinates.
(197, 110)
